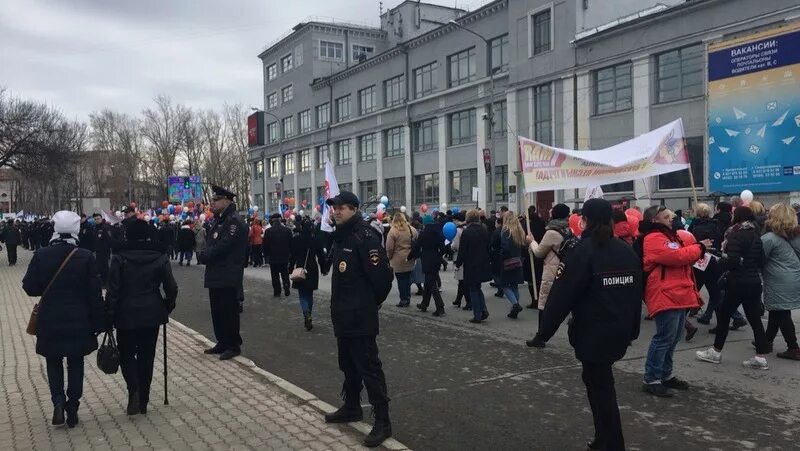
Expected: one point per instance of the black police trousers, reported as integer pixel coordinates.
(358, 360)
(279, 272)
(225, 317)
(599, 381)
(12, 255)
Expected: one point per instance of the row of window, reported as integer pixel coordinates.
(286, 63)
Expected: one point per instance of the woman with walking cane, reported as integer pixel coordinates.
(140, 269)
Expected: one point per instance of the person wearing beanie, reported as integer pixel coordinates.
(139, 270)
(600, 283)
(71, 312)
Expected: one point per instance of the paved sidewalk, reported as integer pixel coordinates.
(213, 404)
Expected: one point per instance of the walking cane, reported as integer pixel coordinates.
(166, 398)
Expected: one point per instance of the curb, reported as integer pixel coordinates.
(303, 396)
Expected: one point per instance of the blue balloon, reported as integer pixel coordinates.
(158, 211)
(90, 221)
(171, 209)
(155, 220)
(455, 210)
(449, 231)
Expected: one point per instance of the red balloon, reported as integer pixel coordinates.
(178, 209)
(424, 208)
(317, 207)
(164, 204)
(190, 205)
(379, 215)
(133, 204)
(287, 214)
(285, 200)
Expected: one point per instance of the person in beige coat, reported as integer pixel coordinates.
(557, 230)
(398, 245)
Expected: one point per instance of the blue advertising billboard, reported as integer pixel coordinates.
(754, 112)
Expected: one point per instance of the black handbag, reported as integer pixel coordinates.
(108, 354)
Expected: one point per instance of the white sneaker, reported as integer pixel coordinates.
(756, 363)
(709, 355)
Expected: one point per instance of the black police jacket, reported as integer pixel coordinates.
(102, 240)
(361, 279)
(226, 248)
(602, 287)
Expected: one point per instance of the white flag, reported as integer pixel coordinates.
(593, 192)
(109, 217)
(331, 190)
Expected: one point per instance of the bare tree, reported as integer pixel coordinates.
(236, 122)
(161, 130)
(24, 128)
(192, 150)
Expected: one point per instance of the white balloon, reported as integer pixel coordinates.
(147, 218)
(747, 196)
(171, 217)
(255, 207)
(444, 207)
(302, 212)
(117, 213)
(203, 217)
(384, 200)
(292, 217)
(381, 207)
(402, 209)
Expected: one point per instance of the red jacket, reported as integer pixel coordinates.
(624, 231)
(668, 264)
(255, 234)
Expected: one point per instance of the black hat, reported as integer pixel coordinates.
(560, 211)
(597, 211)
(344, 198)
(222, 192)
(275, 216)
(135, 229)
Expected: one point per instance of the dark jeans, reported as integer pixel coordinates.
(710, 279)
(55, 377)
(187, 255)
(358, 360)
(404, 286)
(137, 351)
(256, 254)
(278, 272)
(478, 300)
(306, 300)
(782, 319)
(463, 292)
(749, 296)
(225, 317)
(431, 288)
(171, 251)
(599, 381)
(12, 255)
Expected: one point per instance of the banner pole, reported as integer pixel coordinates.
(691, 174)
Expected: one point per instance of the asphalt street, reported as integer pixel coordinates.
(456, 385)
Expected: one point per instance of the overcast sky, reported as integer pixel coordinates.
(85, 55)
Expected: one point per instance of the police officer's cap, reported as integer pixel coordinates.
(344, 198)
(222, 193)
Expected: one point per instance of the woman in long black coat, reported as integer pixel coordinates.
(306, 252)
(473, 256)
(70, 315)
(139, 270)
(430, 248)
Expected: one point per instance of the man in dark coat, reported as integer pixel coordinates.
(277, 244)
(168, 235)
(224, 258)
(11, 237)
(361, 280)
(430, 247)
(102, 246)
(86, 235)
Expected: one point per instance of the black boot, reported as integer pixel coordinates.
(382, 428)
(58, 413)
(133, 403)
(72, 412)
(350, 412)
(307, 321)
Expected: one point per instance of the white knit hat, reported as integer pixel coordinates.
(67, 222)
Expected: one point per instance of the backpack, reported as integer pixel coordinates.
(569, 242)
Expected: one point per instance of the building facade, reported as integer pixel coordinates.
(419, 108)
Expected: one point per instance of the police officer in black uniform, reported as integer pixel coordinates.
(224, 258)
(361, 280)
(102, 246)
(600, 282)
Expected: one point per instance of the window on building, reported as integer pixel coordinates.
(499, 121)
(501, 183)
(368, 190)
(461, 67)
(304, 118)
(272, 100)
(258, 170)
(288, 163)
(366, 100)
(323, 115)
(680, 179)
(426, 189)
(346, 187)
(425, 80)
(543, 113)
(359, 50)
(286, 63)
(680, 74)
(394, 142)
(274, 167)
(541, 32)
(462, 127)
(305, 160)
(396, 189)
(272, 72)
(343, 108)
(305, 195)
(298, 55)
(287, 93)
(366, 147)
(258, 199)
(426, 135)
(288, 126)
(322, 155)
(499, 54)
(320, 195)
(273, 132)
(274, 201)
(621, 187)
(343, 152)
(461, 183)
(331, 50)
(612, 89)
(394, 90)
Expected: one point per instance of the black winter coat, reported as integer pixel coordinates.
(226, 248)
(86, 236)
(707, 229)
(509, 249)
(185, 239)
(360, 276)
(473, 254)
(744, 255)
(73, 312)
(278, 244)
(496, 252)
(723, 221)
(303, 245)
(166, 234)
(139, 270)
(102, 240)
(430, 247)
(602, 287)
(10, 235)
